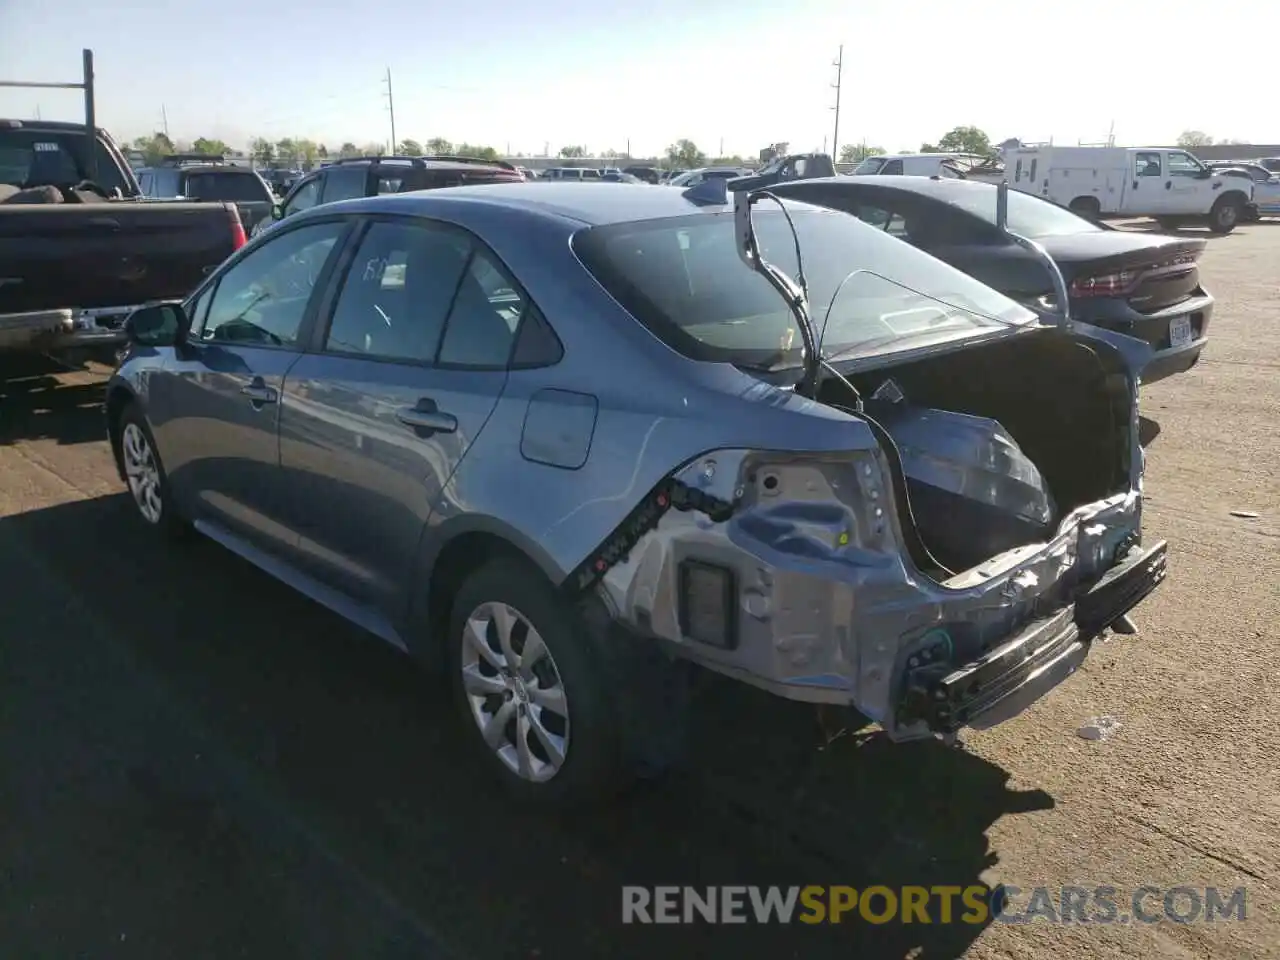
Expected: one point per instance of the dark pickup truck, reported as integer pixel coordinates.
(197, 177)
(78, 255)
(794, 166)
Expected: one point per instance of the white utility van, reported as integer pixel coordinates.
(949, 166)
(1170, 185)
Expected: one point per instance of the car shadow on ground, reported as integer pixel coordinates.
(358, 746)
(1148, 430)
(35, 405)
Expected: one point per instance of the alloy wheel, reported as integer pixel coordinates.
(515, 692)
(142, 472)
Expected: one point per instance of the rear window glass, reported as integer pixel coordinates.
(30, 158)
(242, 187)
(682, 278)
(1028, 215)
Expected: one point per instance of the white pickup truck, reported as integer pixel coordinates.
(1170, 185)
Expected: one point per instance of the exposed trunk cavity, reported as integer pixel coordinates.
(1064, 403)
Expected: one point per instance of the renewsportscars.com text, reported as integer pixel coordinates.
(974, 904)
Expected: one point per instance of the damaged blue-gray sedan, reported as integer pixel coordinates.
(565, 440)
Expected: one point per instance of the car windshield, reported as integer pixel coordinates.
(683, 279)
(1027, 215)
(869, 165)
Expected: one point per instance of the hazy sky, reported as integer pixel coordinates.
(518, 75)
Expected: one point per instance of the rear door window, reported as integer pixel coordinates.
(1146, 164)
(344, 183)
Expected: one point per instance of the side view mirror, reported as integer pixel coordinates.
(156, 325)
(1205, 174)
(277, 211)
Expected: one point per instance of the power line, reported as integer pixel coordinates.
(838, 63)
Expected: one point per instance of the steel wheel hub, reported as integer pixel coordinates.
(514, 692)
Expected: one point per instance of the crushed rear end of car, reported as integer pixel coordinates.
(972, 525)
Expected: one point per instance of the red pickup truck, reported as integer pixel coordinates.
(77, 255)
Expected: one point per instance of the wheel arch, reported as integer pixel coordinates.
(118, 398)
(452, 552)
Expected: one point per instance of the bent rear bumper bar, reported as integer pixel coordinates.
(1018, 672)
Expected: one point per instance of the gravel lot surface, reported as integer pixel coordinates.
(195, 762)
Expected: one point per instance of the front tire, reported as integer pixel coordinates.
(542, 697)
(1225, 215)
(145, 477)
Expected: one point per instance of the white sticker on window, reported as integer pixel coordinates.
(46, 148)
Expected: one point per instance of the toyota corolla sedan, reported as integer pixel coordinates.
(575, 442)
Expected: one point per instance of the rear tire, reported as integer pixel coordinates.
(1087, 207)
(1225, 215)
(542, 695)
(145, 477)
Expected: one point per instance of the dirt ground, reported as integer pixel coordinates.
(195, 762)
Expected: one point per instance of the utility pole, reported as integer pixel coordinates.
(164, 120)
(391, 106)
(838, 63)
(721, 153)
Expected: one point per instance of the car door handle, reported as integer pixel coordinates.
(1168, 184)
(425, 416)
(259, 392)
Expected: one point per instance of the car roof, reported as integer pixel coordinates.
(409, 164)
(591, 204)
(938, 187)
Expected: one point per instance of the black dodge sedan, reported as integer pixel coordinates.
(1145, 285)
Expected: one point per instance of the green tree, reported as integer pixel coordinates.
(960, 140)
(348, 149)
(208, 145)
(410, 148)
(685, 153)
(1189, 139)
(153, 148)
(262, 150)
(479, 152)
(322, 152)
(439, 146)
(287, 149)
(573, 152)
(857, 152)
(306, 151)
